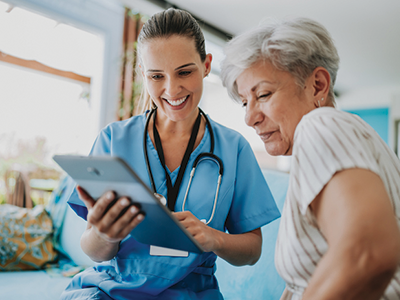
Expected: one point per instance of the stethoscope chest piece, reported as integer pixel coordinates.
(161, 198)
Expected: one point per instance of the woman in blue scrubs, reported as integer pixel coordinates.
(173, 62)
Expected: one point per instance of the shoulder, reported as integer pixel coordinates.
(329, 116)
(327, 141)
(132, 127)
(117, 134)
(228, 136)
(134, 122)
(329, 124)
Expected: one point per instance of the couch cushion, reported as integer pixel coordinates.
(68, 227)
(73, 228)
(31, 285)
(260, 281)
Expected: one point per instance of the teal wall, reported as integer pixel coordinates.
(377, 118)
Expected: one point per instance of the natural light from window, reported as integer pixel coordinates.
(44, 110)
(37, 105)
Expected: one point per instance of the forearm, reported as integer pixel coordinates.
(239, 249)
(345, 277)
(97, 248)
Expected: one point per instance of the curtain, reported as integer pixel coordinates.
(130, 86)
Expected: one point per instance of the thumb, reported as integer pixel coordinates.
(85, 197)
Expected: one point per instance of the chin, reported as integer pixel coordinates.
(276, 150)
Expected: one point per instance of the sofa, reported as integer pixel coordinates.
(260, 281)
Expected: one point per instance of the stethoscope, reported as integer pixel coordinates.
(201, 157)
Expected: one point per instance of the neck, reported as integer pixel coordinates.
(175, 137)
(167, 126)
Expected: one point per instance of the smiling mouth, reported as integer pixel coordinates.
(177, 102)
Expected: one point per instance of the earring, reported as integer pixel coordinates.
(319, 103)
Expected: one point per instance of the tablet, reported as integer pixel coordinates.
(98, 174)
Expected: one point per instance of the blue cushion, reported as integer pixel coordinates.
(31, 285)
(260, 281)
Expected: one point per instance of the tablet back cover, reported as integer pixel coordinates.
(98, 174)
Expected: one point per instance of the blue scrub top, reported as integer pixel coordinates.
(244, 204)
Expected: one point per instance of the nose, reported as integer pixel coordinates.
(254, 115)
(172, 87)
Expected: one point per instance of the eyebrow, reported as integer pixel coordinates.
(184, 66)
(178, 68)
(257, 85)
(261, 82)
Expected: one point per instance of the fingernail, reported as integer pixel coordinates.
(140, 217)
(110, 195)
(134, 209)
(124, 202)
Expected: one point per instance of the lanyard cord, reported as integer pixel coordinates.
(174, 190)
(210, 130)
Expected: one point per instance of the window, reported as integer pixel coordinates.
(47, 101)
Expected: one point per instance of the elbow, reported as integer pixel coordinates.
(245, 259)
(257, 249)
(390, 256)
(379, 263)
(383, 269)
(255, 258)
(253, 261)
(249, 261)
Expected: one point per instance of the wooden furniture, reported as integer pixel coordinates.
(29, 181)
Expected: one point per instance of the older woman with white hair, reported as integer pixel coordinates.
(339, 235)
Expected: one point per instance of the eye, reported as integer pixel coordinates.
(264, 95)
(244, 103)
(185, 73)
(156, 77)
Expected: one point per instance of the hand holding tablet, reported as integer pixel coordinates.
(98, 175)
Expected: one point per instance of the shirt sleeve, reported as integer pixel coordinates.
(253, 204)
(325, 144)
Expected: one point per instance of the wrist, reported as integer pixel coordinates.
(103, 239)
(219, 238)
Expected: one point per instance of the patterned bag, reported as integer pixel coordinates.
(25, 238)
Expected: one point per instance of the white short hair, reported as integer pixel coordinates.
(297, 46)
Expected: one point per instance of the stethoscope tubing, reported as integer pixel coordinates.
(202, 156)
(219, 163)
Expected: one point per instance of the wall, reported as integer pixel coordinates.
(104, 18)
(369, 99)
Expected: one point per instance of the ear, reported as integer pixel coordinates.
(207, 64)
(321, 81)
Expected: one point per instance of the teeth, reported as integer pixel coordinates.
(177, 102)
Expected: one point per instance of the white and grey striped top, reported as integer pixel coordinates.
(326, 141)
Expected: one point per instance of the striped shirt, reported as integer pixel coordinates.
(326, 141)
